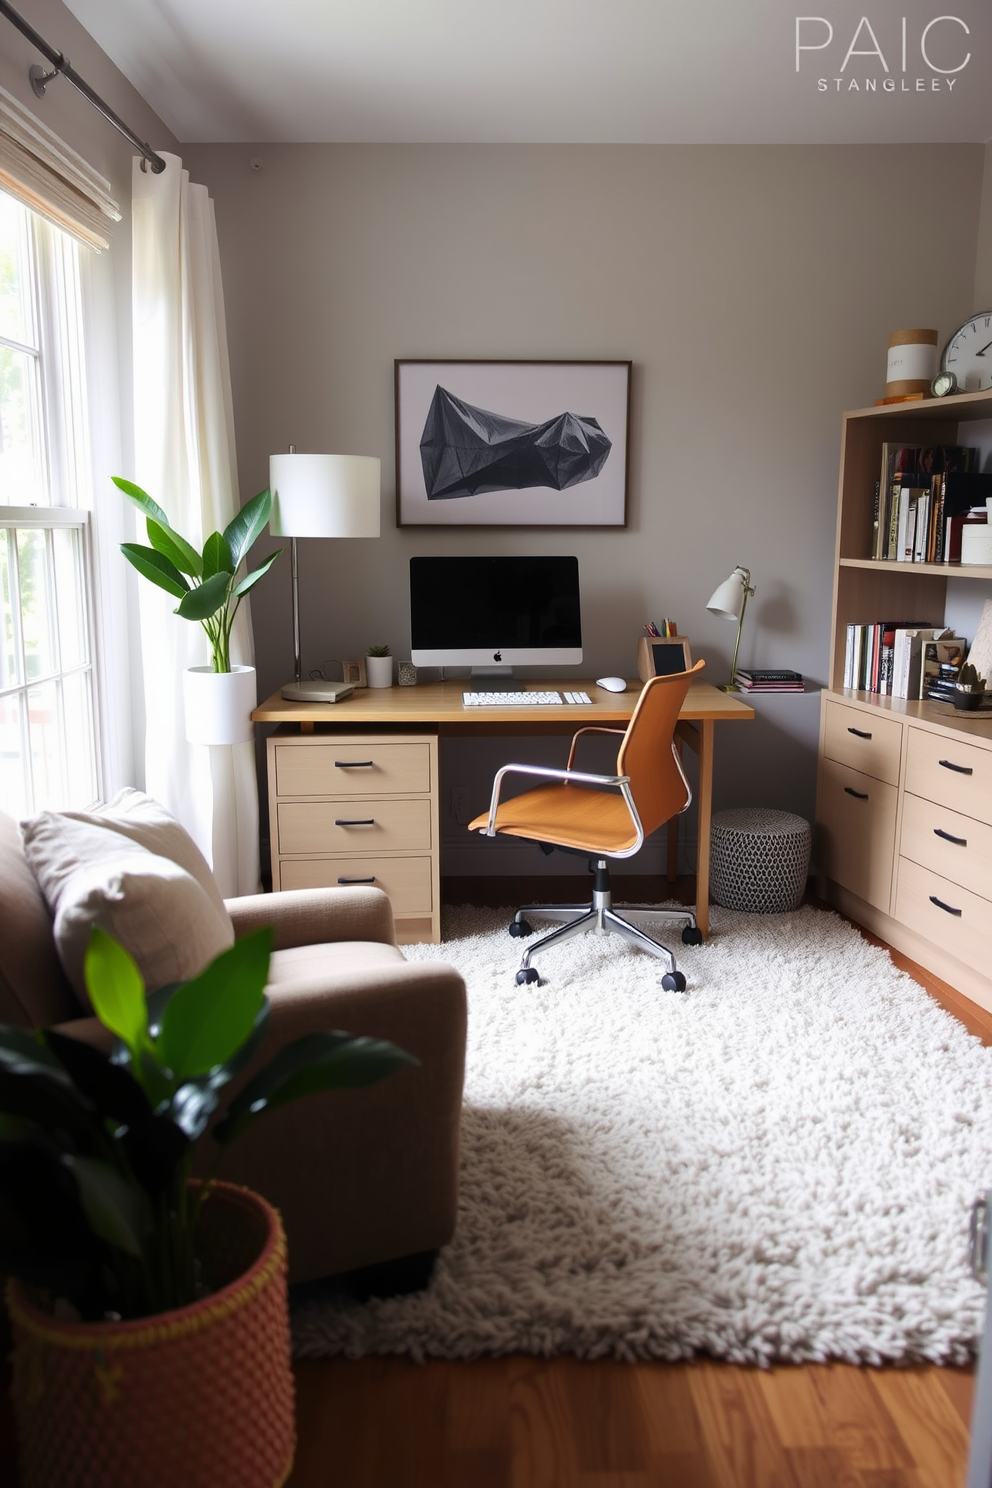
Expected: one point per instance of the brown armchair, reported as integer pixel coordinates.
(361, 1177)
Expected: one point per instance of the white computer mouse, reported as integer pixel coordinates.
(612, 684)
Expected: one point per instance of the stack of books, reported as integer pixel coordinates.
(898, 658)
(922, 496)
(769, 680)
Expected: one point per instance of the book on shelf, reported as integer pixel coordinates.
(916, 467)
(870, 654)
(769, 680)
(907, 658)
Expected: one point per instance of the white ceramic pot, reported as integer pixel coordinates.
(219, 705)
(379, 671)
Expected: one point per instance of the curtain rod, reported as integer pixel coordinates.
(40, 80)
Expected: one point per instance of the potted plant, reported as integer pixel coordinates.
(209, 592)
(969, 689)
(379, 666)
(148, 1308)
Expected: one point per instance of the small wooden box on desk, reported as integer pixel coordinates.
(904, 791)
(357, 807)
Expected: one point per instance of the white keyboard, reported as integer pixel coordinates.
(521, 699)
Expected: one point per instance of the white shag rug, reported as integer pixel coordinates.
(777, 1165)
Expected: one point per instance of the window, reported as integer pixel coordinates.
(48, 743)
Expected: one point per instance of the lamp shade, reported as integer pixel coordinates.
(728, 599)
(324, 495)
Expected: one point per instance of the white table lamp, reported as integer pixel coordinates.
(321, 496)
(730, 601)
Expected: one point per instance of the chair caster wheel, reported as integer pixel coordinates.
(692, 935)
(529, 974)
(520, 927)
(673, 981)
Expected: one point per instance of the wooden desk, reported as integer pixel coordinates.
(410, 715)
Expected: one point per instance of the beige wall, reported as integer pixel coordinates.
(753, 288)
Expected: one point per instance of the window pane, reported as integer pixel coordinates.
(77, 712)
(16, 317)
(13, 789)
(10, 650)
(45, 737)
(22, 469)
(37, 603)
(73, 642)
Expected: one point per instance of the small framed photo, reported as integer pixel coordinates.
(512, 444)
(354, 672)
(660, 656)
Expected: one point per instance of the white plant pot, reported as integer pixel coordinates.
(379, 671)
(219, 705)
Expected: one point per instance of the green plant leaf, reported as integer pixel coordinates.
(34, 1091)
(319, 1061)
(157, 567)
(113, 1209)
(19, 1042)
(253, 578)
(112, 1088)
(116, 990)
(206, 599)
(196, 1101)
(217, 556)
(141, 500)
(179, 552)
(210, 1017)
(242, 531)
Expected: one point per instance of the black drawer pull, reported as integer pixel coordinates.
(858, 795)
(958, 769)
(859, 732)
(941, 905)
(958, 841)
(357, 880)
(368, 821)
(353, 764)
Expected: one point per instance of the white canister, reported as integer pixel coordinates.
(976, 542)
(219, 705)
(911, 364)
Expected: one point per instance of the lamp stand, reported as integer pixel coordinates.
(298, 674)
(733, 685)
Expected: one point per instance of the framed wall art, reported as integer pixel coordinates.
(512, 444)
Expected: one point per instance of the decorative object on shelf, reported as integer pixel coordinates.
(354, 672)
(101, 1216)
(511, 444)
(759, 859)
(944, 384)
(980, 654)
(969, 689)
(968, 353)
(407, 674)
(976, 537)
(911, 363)
(730, 600)
(218, 698)
(321, 496)
(657, 656)
(379, 666)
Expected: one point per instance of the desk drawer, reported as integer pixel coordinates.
(955, 846)
(354, 825)
(962, 926)
(953, 774)
(865, 741)
(856, 832)
(343, 768)
(407, 881)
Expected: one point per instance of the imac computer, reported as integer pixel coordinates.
(492, 614)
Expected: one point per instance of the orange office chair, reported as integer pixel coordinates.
(604, 816)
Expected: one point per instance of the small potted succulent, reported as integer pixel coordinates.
(219, 697)
(149, 1308)
(379, 666)
(969, 689)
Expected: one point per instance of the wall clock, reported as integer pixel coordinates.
(968, 353)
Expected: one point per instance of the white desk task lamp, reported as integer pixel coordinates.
(730, 600)
(321, 496)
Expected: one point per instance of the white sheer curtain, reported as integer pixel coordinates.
(185, 459)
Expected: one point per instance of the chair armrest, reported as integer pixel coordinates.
(590, 728)
(577, 777)
(312, 916)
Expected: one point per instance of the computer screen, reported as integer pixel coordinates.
(491, 613)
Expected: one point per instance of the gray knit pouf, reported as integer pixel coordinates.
(759, 859)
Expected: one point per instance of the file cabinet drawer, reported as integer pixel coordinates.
(856, 832)
(407, 881)
(351, 767)
(354, 825)
(945, 913)
(955, 846)
(957, 775)
(865, 741)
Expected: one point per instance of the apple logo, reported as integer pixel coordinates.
(497, 656)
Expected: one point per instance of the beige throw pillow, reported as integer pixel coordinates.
(130, 868)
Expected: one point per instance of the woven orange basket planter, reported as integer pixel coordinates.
(200, 1397)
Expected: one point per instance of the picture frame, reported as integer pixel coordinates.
(660, 656)
(354, 672)
(512, 443)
